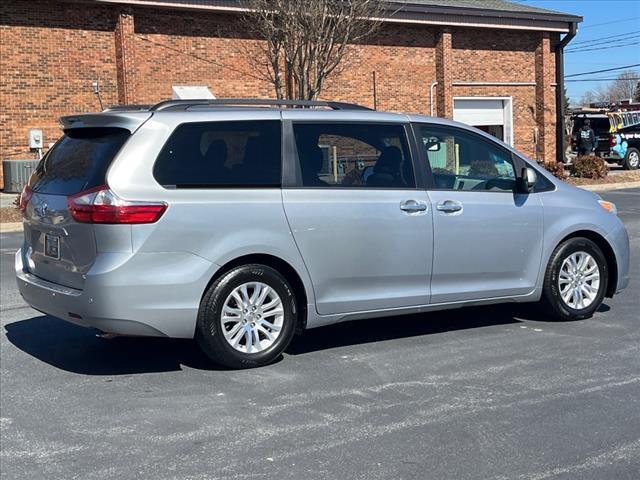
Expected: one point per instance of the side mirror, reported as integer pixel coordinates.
(528, 180)
(432, 144)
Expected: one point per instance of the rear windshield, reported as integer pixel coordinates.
(599, 125)
(78, 161)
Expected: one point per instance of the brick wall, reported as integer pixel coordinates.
(53, 51)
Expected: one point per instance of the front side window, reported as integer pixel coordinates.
(353, 155)
(222, 155)
(461, 160)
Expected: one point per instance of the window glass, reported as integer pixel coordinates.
(354, 156)
(221, 154)
(463, 161)
(78, 161)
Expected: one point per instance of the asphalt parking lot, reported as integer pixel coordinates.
(477, 393)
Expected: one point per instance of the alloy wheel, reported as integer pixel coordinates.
(252, 317)
(579, 280)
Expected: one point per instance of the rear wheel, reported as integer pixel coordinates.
(631, 159)
(576, 280)
(247, 317)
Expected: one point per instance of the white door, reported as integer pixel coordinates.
(493, 115)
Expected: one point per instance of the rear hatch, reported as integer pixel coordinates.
(62, 250)
(601, 129)
(600, 126)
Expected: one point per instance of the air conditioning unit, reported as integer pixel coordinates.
(191, 92)
(17, 173)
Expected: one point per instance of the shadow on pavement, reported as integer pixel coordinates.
(76, 349)
(391, 328)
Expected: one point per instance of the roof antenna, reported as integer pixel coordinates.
(96, 90)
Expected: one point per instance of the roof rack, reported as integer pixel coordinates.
(253, 102)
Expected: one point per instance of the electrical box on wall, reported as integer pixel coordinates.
(36, 138)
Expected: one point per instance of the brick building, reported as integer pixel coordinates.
(490, 63)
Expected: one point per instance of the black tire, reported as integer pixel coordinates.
(551, 299)
(209, 325)
(631, 159)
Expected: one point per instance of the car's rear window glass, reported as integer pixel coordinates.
(221, 155)
(78, 161)
(599, 125)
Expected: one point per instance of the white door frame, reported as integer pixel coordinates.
(509, 131)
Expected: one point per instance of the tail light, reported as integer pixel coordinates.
(612, 141)
(101, 205)
(25, 196)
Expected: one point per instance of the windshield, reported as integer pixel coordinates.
(78, 161)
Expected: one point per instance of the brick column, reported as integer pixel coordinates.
(444, 95)
(125, 57)
(545, 100)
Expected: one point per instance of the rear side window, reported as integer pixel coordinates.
(78, 161)
(352, 155)
(221, 155)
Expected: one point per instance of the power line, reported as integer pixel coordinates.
(612, 21)
(604, 70)
(603, 48)
(601, 79)
(606, 42)
(604, 38)
(627, 37)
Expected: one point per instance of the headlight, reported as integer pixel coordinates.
(608, 206)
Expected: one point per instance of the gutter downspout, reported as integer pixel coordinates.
(433, 85)
(561, 138)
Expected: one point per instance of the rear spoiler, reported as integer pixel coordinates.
(128, 120)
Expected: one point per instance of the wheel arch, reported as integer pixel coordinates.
(607, 250)
(283, 267)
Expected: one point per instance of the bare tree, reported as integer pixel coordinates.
(624, 86)
(302, 42)
(587, 97)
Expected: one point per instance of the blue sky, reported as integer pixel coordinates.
(602, 18)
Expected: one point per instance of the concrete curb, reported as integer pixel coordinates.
(10, 227)
(601, 187)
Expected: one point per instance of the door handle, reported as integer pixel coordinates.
(449, 206)
(412, 206)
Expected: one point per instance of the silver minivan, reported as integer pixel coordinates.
(240, 222)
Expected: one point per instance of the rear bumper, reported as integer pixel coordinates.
(148, 294)
(618, 238)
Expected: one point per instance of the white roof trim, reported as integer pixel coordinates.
(436, 19)
(482, 24)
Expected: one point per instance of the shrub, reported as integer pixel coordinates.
(556, 169)
(483, 168)
(589, 167)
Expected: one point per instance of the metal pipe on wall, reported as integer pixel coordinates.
(433, 85)
(561, 137)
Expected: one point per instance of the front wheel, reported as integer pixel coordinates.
(632, 159)
(575, 280)
(247, 317)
